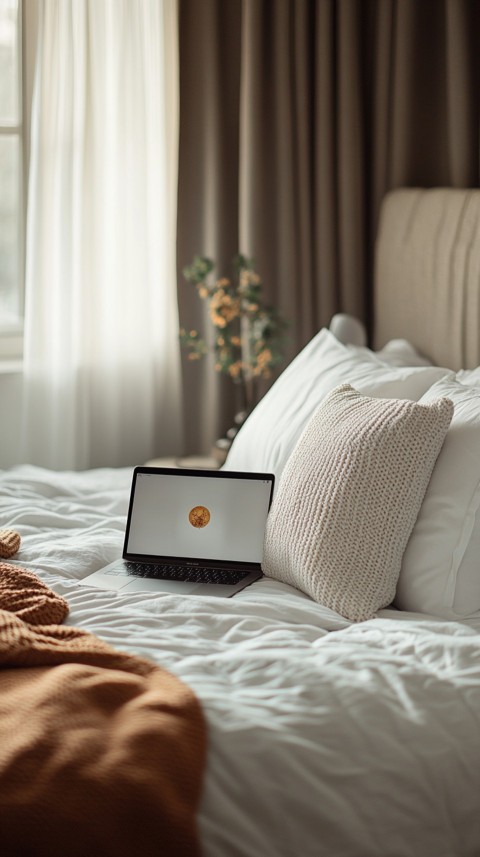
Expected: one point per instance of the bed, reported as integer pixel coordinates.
(324, 735)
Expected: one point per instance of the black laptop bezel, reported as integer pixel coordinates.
(150, 559)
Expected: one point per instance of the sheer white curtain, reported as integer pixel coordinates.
(102, 366)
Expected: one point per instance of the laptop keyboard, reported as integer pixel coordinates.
(188, 573)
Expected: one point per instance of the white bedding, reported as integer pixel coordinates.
(325, 738)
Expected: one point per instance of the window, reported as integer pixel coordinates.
(11, 169)
(11, 232)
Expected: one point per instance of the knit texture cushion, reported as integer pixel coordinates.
(349, 498)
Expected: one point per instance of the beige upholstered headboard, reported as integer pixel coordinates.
(427, 274)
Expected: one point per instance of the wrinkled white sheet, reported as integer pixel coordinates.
(325, 738)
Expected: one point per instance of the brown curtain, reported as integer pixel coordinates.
(297, 116)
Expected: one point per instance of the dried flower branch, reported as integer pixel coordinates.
(249, 335)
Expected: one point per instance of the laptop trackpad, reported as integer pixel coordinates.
(149, 584)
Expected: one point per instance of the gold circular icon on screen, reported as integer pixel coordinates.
(199, 517)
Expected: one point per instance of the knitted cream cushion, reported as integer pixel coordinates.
(349, 497)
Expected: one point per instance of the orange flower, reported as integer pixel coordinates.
(248, 278)
(234, 369)
(217, 320)
(223, 308)
(264, 357)
(235, 340)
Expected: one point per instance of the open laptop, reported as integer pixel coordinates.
(191, 532)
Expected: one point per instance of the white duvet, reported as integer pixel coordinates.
(325, 738)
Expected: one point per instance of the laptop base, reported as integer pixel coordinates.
(116, 578)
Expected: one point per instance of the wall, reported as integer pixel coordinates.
(10, 409)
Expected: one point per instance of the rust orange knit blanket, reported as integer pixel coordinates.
(101, 753)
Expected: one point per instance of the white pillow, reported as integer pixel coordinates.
(471, 377)
(270, 433)
(397, 352)
(348, 329)
(349, 497)
(441, 567)
(400, 352)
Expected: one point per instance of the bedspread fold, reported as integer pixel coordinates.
(101, 752)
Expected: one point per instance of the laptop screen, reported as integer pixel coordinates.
(206, 515)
